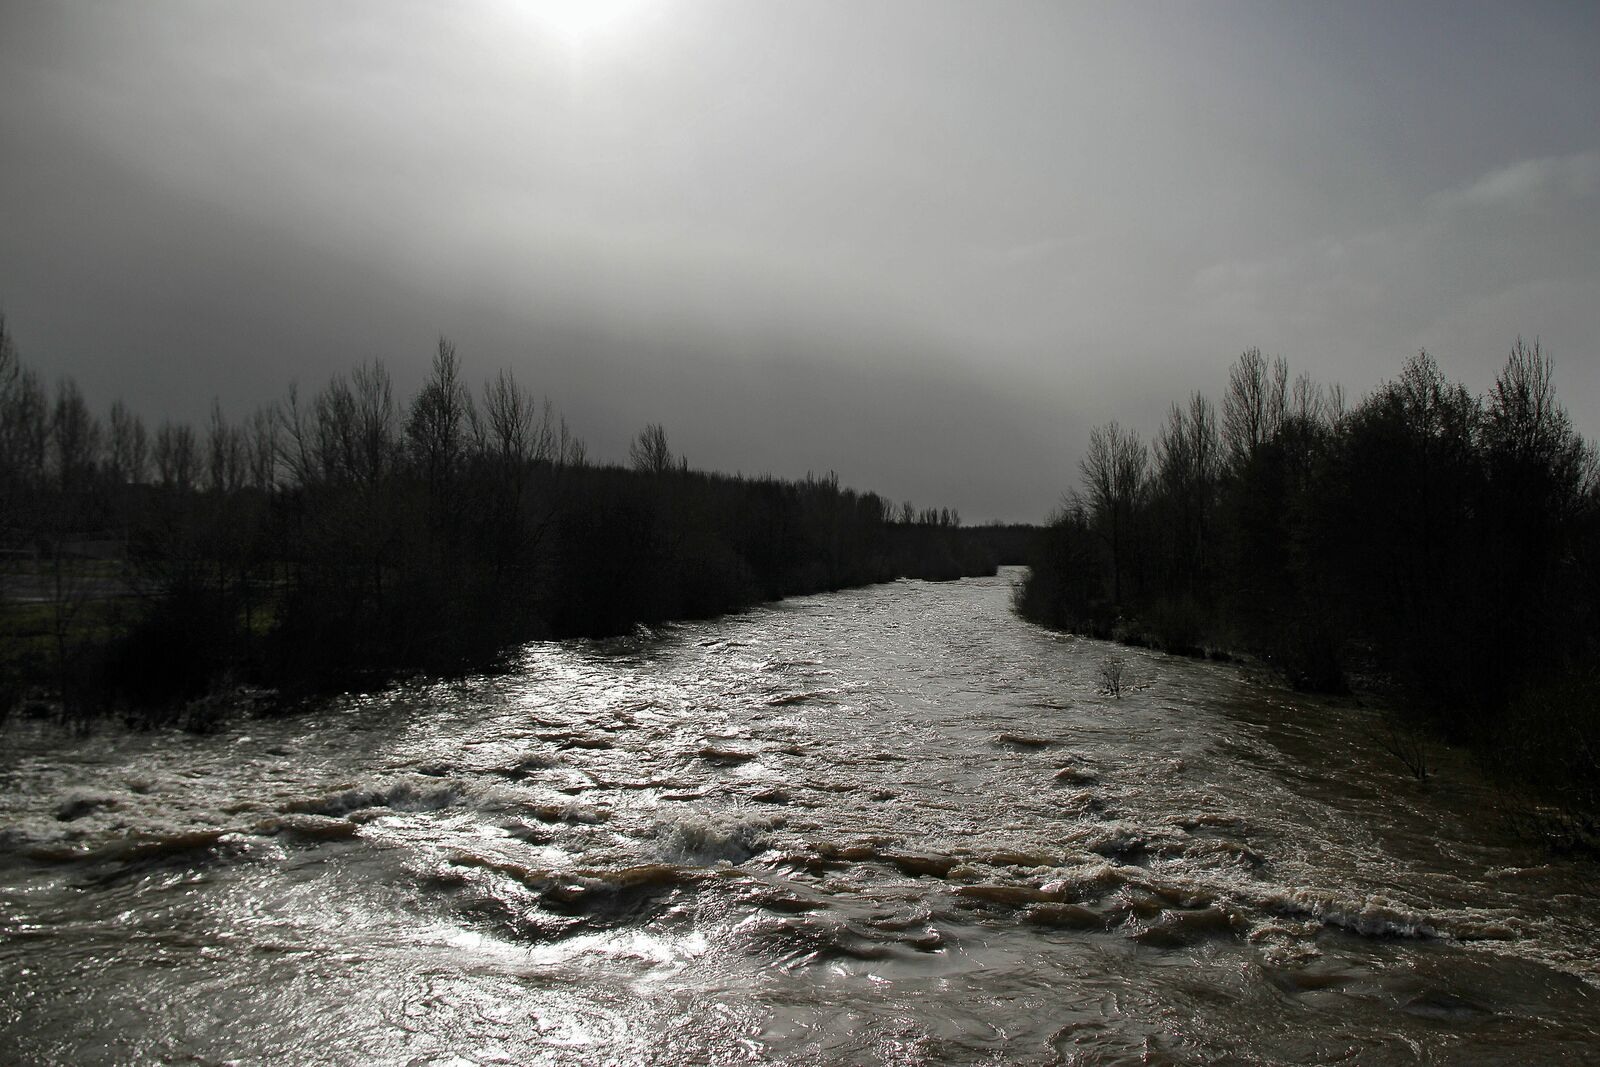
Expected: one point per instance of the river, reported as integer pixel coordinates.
(895, 825)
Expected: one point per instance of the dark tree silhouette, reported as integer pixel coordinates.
(1114, 470)
(649, 453)
(1445, 544)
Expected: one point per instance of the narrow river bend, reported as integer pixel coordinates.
(894, 825)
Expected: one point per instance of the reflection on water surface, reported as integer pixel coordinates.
(894, 825)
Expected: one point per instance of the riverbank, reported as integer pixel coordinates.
(345, 538)
(1440, 546)
(182, 656)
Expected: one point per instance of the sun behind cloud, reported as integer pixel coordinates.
(578, 23)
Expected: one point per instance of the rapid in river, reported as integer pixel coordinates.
(893, 825)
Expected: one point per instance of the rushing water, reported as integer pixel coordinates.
(894, 825)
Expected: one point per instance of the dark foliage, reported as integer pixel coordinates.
(1442, 543)
(339, 540)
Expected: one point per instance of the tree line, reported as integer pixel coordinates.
(339, 538)
(1443, 544)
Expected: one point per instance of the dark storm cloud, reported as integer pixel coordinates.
(925, 245)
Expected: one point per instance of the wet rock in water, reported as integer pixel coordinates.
(1016, 858)
(814, 937)
(1090, 879)
(140, 846)
(901, 921)
(798, 698)
(530, 877)
(78, 806)
(593, 891)
(1304, 980)
(1134, 903)
(307, 826)
(1118, 841)
(1175, 929)
(1211, 821)
(1229, 852)
(567, 813)
(646, 876)
(922, 863)
(1023, 741)
(1067, 916)
(854, 853)
(527, 832)
(724, 757)
(1438, 1004)
(785, 903)
(1011, 896)
(585, 742)
(529, 765)
(1074, 776)
(771, 796)
(399, 796)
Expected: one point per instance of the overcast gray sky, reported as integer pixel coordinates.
(924, 244)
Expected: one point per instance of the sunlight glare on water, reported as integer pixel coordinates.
(891, 825)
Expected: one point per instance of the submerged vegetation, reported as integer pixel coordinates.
(1441, 546)
(341, 538)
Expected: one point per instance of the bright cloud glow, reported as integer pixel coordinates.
(577, 23)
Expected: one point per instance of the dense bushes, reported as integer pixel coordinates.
(1447, 544)
(337, 540)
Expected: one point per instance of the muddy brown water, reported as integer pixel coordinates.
(895, 825)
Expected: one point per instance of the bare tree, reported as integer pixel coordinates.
(262, 446)
(1407, 742)
(174, 456)
(1308, 401)
(440, 414)
(10, 388)
(1523, 419)
(1253, 407)
(10, 473)
(509, 428)
(650, 452)
(24, 436)
(77, 437)
(1114, 472)
(128, 457)
(27, 430)
(1113, 674)
(1187, 470)
(10, 363)
(335, 440)
(1336, 404)
(226, 462)
(570, 449)
(296, 439)
(351, 427)
(375, 420)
